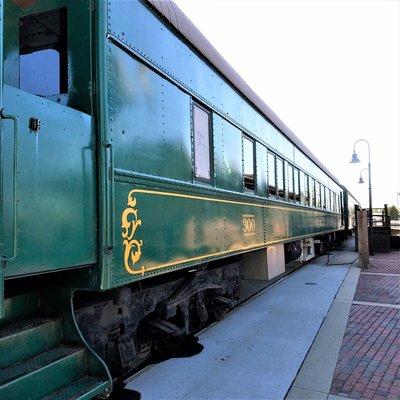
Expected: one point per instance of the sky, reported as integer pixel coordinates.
(328, 68)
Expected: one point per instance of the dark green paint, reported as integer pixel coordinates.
(56, 216)
(140, 135)
(82, 389)
(35, 360)
(220, 234)
(56, 368)
(149, 78)
(20, 307)
(36, 338)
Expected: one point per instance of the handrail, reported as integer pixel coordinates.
(109, 198)
(89, 348)
(3, 115)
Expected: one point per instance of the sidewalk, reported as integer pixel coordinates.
(356, 353)
(256, 352)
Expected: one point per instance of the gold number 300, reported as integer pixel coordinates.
(249, 225)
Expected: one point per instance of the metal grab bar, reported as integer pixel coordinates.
(3, 115)
(110, 198)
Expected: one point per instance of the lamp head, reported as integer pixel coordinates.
(354, 158)
(361, 180)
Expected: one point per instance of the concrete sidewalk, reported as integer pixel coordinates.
(316, 374)
(257, 351)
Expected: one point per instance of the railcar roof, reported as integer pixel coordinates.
(169, 10)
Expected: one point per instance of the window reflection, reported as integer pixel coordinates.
(201, 128)
(248, 163)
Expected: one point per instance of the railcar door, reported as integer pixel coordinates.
(48, 172)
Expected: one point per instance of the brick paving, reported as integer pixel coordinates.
(378, 289)
(368, 366)
(369, 362)
(388, 263)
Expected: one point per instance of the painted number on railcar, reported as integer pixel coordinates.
(249, 224)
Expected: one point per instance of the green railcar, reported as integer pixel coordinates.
(136, 170)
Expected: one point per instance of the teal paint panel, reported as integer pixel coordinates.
(178, 228)
(148, 124)
(56, 200)
(200, 225)
(149, 120)
(133, 24)
(227, 155)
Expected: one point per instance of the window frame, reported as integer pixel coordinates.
(307, 197)
(290, 174)
(272, 154)
(197, 178)
(323, 195)
(253, 141)
(297, 191)
(328, 199)
(313, 196)
(282, 198)
(61, 48)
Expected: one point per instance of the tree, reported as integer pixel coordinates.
(394, 213)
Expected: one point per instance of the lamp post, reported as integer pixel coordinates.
(354, 160)
(361, 180)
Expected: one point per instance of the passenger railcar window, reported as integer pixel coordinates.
(290, 182)
(201, 139)
(307, 190)
(323, 195)
(302, 187)
(280, 178)
(329, 200)
(248, 163)
(312, 193)
(318, 194)
(271, 175)
(43, 53)
(296, 185)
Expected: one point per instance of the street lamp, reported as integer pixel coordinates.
(361, 180)
(354, 160)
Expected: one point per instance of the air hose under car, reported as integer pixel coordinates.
(331, 247)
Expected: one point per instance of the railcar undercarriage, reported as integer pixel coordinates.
(128, 323)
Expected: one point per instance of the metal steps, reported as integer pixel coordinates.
(35, 363)
(20, 307)
(23, 339)
(82, 389)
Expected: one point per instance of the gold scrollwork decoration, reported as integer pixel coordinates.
(132, 247)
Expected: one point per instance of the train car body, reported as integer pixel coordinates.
(136, 169)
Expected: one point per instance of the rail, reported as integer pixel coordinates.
(3, 115)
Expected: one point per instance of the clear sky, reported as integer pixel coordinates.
(328, 68)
